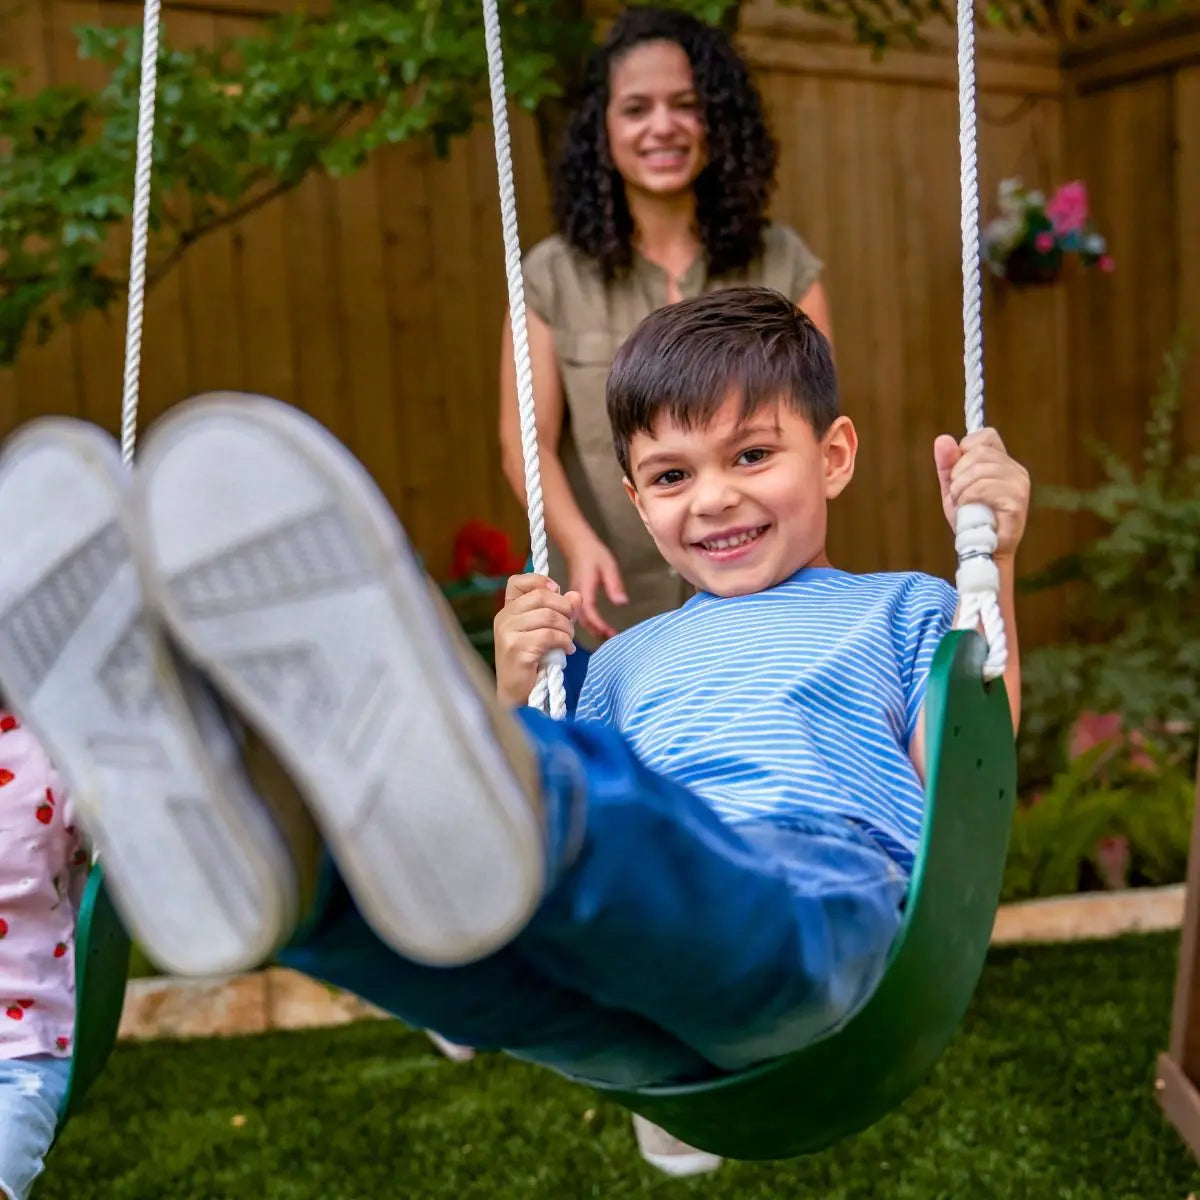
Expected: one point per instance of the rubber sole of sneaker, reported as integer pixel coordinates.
(200, 877)
(279, 567)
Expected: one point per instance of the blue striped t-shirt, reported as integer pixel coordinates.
(800, 699)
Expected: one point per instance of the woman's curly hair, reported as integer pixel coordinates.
(731, 191)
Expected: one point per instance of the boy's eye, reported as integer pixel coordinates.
(750, 457)
(668, 478)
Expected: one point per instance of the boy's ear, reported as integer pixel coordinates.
(839, 448)
(632, 493)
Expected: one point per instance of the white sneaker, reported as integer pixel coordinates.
(451, 1050)
(666, 1152)
(196, 864)
(280, 569)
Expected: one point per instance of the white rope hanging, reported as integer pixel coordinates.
(141, 230)
(550, 677)
(978, 579)
(139, 239)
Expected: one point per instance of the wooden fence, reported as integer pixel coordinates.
(1133, 109)
(375, 302)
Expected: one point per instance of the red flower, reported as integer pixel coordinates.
(482, 549)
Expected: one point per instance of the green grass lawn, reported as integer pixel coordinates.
(1047, 1093)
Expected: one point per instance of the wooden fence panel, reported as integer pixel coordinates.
(1133, 107)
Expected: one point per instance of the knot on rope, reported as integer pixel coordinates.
(975, 543)
(978, 582)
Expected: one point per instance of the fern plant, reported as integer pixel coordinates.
(1134, 595)
(1118, 815)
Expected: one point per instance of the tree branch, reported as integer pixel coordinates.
(190, 236)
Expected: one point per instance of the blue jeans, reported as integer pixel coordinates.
(32, 1090)
(668, 945)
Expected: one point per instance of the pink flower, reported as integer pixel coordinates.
(1044, 242)
(1107, 265)
(1068, 207)
(1093, 729)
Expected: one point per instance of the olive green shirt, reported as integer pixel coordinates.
(589, 320)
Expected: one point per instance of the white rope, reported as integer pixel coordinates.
(141, 230)
(139, 239)
(550, 677)
(978, 579)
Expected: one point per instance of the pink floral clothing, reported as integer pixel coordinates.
(42, 865)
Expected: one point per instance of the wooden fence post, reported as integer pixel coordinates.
(1179, 1068)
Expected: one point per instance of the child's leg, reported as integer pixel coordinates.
(31, 1093)
(501, 1002)
(743, 943)
(731, 946)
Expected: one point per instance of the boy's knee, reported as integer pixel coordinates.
(824, 974)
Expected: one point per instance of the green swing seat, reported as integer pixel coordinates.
(101, 969)
(849, 1079)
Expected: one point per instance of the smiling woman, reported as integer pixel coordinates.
(661, 194)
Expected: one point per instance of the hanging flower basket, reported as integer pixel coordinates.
(1027, 243)
(1027, 265)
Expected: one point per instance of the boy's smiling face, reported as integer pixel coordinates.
(738, 506)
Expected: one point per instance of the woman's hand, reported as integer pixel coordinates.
(536, 618)
(592, 566)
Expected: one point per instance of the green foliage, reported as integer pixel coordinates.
(1107, 820)
(236, 125)
(1135, 596)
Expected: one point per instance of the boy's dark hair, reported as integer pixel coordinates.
(732, 190)
(684, 360)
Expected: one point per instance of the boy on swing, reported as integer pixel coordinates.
(702, 871)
